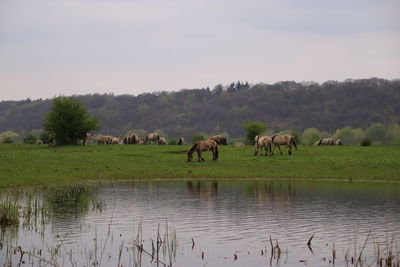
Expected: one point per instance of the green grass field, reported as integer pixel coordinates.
(42, 165)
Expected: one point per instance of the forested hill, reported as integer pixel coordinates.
(284, 105)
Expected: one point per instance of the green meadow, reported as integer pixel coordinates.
(43, 165)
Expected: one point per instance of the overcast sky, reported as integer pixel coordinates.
(54, 47)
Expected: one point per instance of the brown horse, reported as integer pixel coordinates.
(153, 137)
(199, 146)
(133, 139)
(285, 139)
(263, 142)
(220, 140)
(326, 142)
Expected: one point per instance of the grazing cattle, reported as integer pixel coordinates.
(199, 146)
(152, 137)
(286, 139)
(180, 141)
(162, 141)
(339, 142)
(220, 140)
(326, 142)
(263, 142)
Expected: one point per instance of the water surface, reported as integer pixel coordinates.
(212, 223)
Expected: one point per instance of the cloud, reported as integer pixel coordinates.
(134, 46)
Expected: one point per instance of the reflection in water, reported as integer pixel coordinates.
(197, 223)
(203, 190)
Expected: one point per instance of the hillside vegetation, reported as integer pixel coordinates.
(282, 106)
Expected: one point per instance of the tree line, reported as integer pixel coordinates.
(333, 107)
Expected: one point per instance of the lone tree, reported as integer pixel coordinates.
(68, 121)
(253, 129)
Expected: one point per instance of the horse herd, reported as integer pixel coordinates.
(131, 139)
(262, 143)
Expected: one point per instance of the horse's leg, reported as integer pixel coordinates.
(199, 155)
(279, 149)
(273, 150)
(290, 149)
(255, 149)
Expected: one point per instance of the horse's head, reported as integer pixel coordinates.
(223, 141)
(189, 157)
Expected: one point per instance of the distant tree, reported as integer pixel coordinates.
(366, 141)
(310, 136)
(7, 140)
(253, 129)
(69, 121)
(198, 137)
(30, 139)
(173, 141)
(376, 132)
(10, 135)
(393, 134)
(349, 136)
(218, 89)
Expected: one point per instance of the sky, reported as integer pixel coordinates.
(52, 47)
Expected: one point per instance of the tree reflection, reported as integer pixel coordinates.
(72, 202)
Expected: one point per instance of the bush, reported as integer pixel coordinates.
(366, 142)
(253, 129)
(30, 139)
(7, 140)
(172, 141)
(198, 137)
(310, 135)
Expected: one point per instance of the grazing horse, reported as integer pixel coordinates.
(326, 142)
(133, 139)
(152, 137)
(263, 142)
(339, 142)
(162, 141)
(180, 141)
(220, 140)
(285, 139)
(316, 143)
(199, 146)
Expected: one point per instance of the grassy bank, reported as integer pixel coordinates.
(41, 165)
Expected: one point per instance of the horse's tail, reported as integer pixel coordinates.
(293, 142)
(216, 153)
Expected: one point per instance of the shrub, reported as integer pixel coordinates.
(198, 137)
(366, 142)
(30, 139)
(253, 129)
(172, 141)
(7, 140)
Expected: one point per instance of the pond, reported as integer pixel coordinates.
(204, 223)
